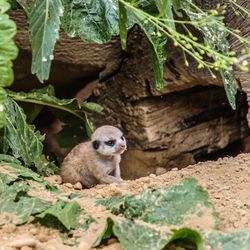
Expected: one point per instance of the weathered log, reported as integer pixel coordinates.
(172, 130)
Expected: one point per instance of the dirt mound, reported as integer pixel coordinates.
(226, 180)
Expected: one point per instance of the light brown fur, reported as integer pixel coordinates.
(89, 165)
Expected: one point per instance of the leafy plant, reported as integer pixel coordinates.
(159, 206)
(17, 205)
(61, 215)
(46, 97)
(100, 20)
(8, 52)
(22, 141)
(157, 219)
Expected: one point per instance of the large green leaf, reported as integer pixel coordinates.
(44, 24)
(70, 111)
(123, 24)
(165, 206)
(15, 204)
(95, 21)
(3, 98)
(46, 97)
(63, 215)
(24, 142)
(165, 9)
(8, 50)
(12, 167)
(228, 241)
(215, 36)
(134, 235)
(156, 40)
(157, 45)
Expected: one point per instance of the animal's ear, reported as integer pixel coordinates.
(96, 144)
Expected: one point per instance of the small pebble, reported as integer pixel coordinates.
(33, 230)
(152, 175)
(58, 179)
(78, 186)
(174, 169)
(112, 241)
(41, 237)
(160, 171)
(9, 228)
(69, 185)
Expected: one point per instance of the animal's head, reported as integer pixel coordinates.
(108, 140)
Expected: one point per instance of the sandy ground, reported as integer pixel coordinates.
(227, 181)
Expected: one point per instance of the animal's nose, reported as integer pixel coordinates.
(123, 146)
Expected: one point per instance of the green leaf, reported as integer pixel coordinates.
(92, 107)
(123, 24)
(95, 21)
(3, 98)
(165, 9)
(4, 6)
(13, 168)
(177, 7)
(8, 50)
(76, 127)
(216, 38)
(186, 237)
(88, 219)
(230, 86)
(63, 215)
(134, 235)
(31, 110)
(46, 96)
(26, 4)
(15, 205)
(88, 126)
(9, 159)
(169, 205)
(228, 241)
(14, 4)
(106, 233)
(44, 24)
(24, 142)
(157, 44)
(72, 133)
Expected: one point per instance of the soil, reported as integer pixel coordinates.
(226, 180)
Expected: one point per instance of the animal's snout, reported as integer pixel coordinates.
(122, 146)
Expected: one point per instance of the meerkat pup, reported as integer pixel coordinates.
(96, 161)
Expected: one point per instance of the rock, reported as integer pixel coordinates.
(78, 186)
(9, 228)
(160, 171)
(33, 230)
(174, 169)
(68, 185)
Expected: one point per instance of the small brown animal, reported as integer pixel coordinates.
(96, 161)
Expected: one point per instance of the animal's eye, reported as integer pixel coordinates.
(122, 137)
(110, 143)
